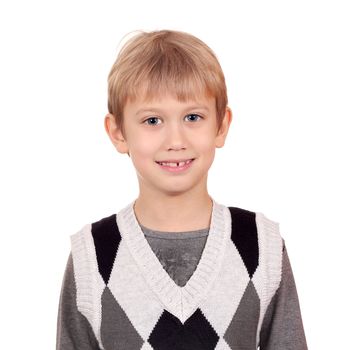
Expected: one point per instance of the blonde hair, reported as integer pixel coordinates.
(165, 61)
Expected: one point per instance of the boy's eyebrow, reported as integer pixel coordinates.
(153, 109)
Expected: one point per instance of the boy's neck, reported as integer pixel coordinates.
(174, 214)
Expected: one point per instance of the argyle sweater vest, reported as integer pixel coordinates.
(132, 303)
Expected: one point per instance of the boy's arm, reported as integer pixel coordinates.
(74, 332)
(282, 327)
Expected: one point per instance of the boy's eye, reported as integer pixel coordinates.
(151, 119)
(193, 114)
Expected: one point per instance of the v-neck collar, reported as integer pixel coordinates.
(179, 301)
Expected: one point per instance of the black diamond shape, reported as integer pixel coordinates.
(106, 237)
(196, 333)
(244, 236)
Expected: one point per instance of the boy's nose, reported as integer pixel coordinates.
(176, 137)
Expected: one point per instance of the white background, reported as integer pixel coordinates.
(291, 152)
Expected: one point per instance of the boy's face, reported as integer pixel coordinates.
(166, 129)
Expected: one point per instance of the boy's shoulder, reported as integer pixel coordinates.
(106, 225)
(256, 237)
(254, 223)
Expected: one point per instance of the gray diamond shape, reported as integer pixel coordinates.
(241, 333)
(117, 331)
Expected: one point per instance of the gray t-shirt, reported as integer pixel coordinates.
(178, 252)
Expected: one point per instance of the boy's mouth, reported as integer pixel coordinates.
(175, 163)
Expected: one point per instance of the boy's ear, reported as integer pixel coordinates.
(222, 133)
(115, 134)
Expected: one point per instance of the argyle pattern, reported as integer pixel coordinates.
(126, 314)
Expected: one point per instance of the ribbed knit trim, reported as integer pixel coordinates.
(89, 283)
(180, 301)
(270, 262)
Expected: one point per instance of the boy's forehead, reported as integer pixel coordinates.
(167, 99)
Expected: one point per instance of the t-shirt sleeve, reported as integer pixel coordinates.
(282, 327)
(74, 332)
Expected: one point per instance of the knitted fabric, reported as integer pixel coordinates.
(130, 302)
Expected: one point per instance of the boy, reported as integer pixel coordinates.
(175, 269)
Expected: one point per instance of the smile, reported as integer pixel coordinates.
(176, 166)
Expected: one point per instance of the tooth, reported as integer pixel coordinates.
(175, 164)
